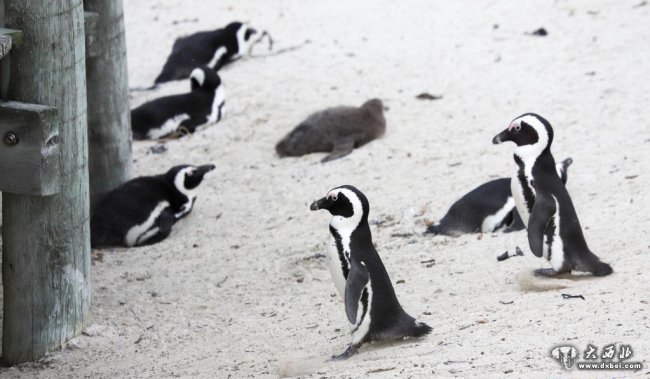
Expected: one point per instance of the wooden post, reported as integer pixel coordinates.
(46, 239)
(109, 116)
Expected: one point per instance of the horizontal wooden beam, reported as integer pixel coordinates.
(5, 45)
(29, 149)
(16, 36)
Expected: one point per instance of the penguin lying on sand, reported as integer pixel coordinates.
(143, 210)
(181, 113)
(214, 49)
(335, 130)
(543, 202)
(487, 208)
(359, 275)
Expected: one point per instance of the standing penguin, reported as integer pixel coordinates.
(487, 208)
(543, 202)
(185, 112)
(214, 49)
(359, 275)
(143, 210)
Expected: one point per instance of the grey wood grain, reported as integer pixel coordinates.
(46, 239)
(109, 116)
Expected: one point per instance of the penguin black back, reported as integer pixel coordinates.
(143, 210)
(214, 49)
(204, 104)
(487, 208)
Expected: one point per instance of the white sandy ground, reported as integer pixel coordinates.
(238, 291)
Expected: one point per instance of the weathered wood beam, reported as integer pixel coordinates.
(109, 116)
(46, 240)
(90, 30)
(29, 149)
(8, 39)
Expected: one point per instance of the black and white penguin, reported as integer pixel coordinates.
(543, 202)
(487, 208)
(214, 49)
(205, 104)
(360, 277)
(143, 210)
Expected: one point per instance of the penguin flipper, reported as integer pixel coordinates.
(342, 148)
(161, 231)
(358, 278)
(190, 125)
(540, 215)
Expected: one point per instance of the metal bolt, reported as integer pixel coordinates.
(11, 138)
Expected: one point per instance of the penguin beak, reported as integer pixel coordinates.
(501, 137)
(323, 203)
(202, 170)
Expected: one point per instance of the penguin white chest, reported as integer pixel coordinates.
(518, 196)
(554, 247)
(336, 261)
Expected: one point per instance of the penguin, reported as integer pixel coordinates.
(143, 210)
(205, 104)
(487, 208)
(371, 306)
(336, 130)
(214, 49)
(543, 201)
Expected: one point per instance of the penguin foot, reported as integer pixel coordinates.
(350, 351)
(546, 272)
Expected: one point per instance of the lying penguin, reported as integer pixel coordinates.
(359, 275)
(214, 49)
(335, 130)
(143, 210)
(543, 202)
(487, 208)
(181, 113)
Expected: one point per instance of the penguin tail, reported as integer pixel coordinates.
(419, 329)
(591, 263)
(433, 229)
(602, 269)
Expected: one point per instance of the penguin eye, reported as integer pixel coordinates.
(334, 197)
(517, 127)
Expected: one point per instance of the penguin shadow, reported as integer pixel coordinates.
(529, 282)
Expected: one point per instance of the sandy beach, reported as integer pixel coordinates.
(241, 288)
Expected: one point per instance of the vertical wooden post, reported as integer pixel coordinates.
(46, 240)
(109, 117)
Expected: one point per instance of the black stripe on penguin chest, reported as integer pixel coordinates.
(527, 191)
(345, 268)
(550, 235)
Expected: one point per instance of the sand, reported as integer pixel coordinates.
(240, 288)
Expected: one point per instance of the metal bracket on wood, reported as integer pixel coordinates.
(8, 38)
(90, 29)
(29, 149)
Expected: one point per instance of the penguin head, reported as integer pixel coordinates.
(530, 132)
(374, 106)
(248, 35)
(240, 36)
(348, 206)
(204, 77)
(186, 178)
